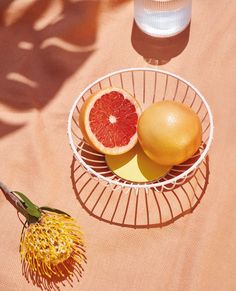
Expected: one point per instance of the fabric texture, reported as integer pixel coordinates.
(51, 50)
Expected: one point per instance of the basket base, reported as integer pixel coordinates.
(139, 208)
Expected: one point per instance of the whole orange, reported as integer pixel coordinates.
(169, 132)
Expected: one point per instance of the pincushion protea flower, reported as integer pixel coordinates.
(47, 244)
(51, 243)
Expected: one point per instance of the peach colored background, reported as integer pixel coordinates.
(50, 50)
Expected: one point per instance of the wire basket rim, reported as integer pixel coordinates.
(135, 185)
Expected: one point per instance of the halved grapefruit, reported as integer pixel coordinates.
(108, 120)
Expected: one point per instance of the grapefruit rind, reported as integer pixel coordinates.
(90, 137)
(169, 132)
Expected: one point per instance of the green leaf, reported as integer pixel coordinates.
(31, 208)
(53, 210)
(24, 198)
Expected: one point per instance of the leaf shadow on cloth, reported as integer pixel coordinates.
(40, 52)
(7, 128)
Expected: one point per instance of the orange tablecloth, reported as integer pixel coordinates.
(50, 50)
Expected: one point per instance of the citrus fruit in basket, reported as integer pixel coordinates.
(169, 132)
(135, 166)
(108, 121)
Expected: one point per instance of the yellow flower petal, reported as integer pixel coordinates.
(50, 243)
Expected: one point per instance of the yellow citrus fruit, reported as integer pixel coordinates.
(135, 166)
(169, 132)
(108, 121)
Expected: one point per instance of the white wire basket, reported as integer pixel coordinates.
(148, 85)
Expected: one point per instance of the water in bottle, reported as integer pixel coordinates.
(162, 18)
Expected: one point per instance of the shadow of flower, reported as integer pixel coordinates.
(71, 273)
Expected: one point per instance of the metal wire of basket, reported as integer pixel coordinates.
(148, 85)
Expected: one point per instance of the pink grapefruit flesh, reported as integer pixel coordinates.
(109, 118)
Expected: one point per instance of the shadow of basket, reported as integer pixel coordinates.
(145, 208)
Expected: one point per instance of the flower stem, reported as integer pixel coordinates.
(15, 201)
